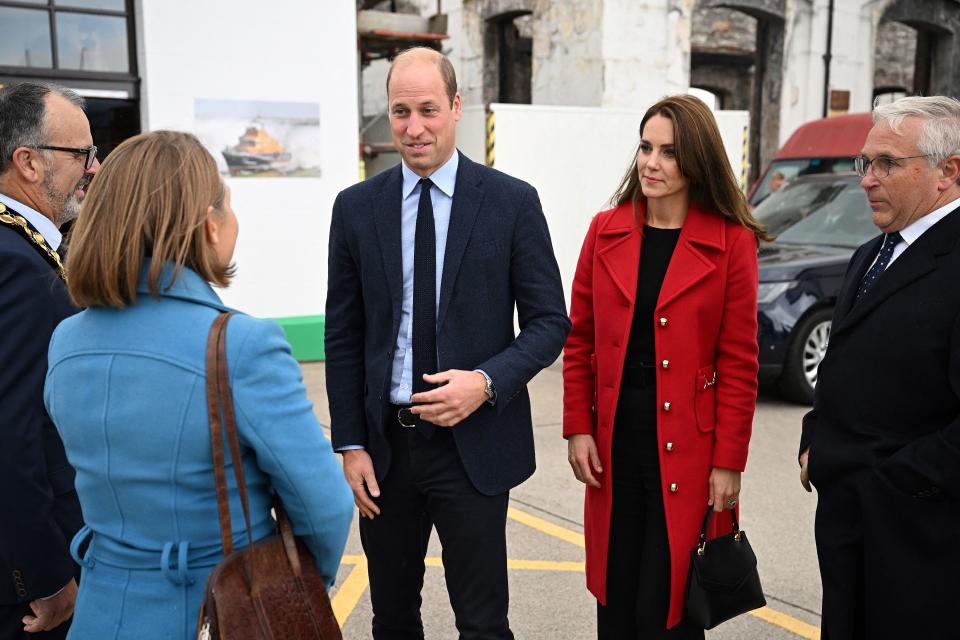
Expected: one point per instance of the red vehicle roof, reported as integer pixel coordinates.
(838, 137)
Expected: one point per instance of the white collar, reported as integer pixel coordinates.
(915, 229)
(40, 222)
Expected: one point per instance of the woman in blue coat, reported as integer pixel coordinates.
(126, 389)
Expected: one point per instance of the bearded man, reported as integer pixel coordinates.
(47, 159)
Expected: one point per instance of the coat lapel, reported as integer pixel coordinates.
(467, 197)
(848, 292)
(918, 260)
(618, 249)
(387, 219)
(689, 265)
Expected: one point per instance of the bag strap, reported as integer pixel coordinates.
(222, 416)
(702, 544)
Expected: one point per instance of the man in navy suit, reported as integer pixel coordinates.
(425, 377)
(47, 158)
(882, 443)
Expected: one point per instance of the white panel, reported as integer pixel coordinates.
(295, 51)
(471, 133)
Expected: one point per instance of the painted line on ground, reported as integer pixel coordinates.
(348, 594)
(791, 624)
(545, 526)
(771, 616)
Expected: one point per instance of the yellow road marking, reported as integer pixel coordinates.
(348, 594)
(789, 623)
(527, 565)
(776, 618)
(545, 526)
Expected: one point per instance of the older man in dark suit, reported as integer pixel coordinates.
(882, 443)
(47, 158)
(425, 377)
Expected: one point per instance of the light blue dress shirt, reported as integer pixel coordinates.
(40, 222)
(441, 196)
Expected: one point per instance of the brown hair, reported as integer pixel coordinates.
(148, 200)
(701, 159)
(447, 74)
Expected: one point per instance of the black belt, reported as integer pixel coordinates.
(402, 415)
(639, 376)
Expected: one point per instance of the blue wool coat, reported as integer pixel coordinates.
(126, 390)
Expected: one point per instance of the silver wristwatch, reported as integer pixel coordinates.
(490, 389)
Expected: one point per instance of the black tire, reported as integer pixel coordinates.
(806, 351)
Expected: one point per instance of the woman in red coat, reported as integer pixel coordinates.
(660, 369)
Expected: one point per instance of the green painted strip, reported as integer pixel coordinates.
(305, 334)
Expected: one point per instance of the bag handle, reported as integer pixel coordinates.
(222, 415)
(702, 544)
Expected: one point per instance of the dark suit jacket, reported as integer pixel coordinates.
(888, 394)
(39, 510)
(498, 256)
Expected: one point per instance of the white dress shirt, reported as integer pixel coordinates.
(40, 222)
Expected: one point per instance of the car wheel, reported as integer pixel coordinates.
(806, 352)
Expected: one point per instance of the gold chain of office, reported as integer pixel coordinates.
(20, 223)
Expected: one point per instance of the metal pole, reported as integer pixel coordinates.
(827, 57)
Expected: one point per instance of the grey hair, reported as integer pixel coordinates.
(23, 110)
(940, 136)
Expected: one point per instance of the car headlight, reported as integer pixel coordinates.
(767, 292)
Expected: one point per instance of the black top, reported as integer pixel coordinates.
(655, 254)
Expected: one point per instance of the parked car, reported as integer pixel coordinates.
(818, 221)
(821, 146)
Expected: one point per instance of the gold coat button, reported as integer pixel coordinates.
(669, 447)
(673, 487)
(663, 322)
(665, 364)
(666, 406)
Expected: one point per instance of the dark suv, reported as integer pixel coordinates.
(818, 221)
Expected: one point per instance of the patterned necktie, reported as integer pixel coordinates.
(883, 259)
(424, 298)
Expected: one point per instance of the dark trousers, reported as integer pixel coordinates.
(638, 563)
(11, 625)
(888, 562)
(427, 486)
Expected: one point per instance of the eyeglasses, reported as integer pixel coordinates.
(881, 164)
(89, 152)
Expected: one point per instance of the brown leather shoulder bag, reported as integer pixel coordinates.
(269, 590)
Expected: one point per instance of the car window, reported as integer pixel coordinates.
(791, 169)
(825, 212)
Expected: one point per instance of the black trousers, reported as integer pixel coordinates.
(638, 563)
(889, 562)
(427, 486)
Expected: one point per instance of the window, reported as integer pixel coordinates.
(67, 38)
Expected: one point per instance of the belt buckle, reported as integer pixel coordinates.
(405, 413)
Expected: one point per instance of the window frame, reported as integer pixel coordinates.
(109, 80)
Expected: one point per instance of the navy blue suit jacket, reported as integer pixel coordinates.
(39, 510)
(498, 257)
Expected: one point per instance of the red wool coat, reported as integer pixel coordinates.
(706, 347)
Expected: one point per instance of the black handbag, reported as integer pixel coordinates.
(723, 581)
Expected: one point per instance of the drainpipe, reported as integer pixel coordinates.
(827, 57)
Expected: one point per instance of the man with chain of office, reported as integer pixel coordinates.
(47, 159)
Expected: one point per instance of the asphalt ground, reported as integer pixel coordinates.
(548, 597)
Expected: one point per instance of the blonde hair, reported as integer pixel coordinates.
(148, 200)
